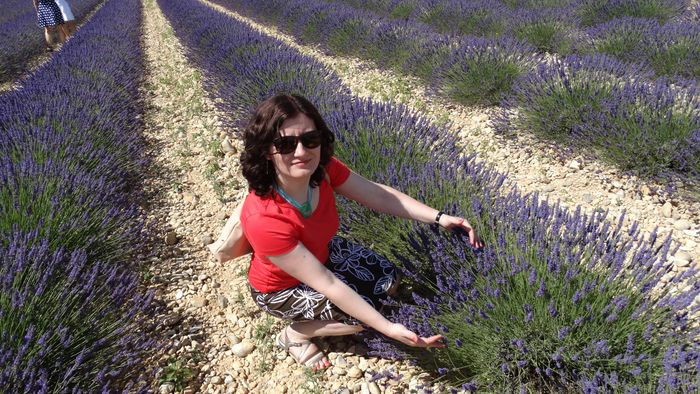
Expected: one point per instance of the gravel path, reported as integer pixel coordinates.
(205, 313)
(216, 339)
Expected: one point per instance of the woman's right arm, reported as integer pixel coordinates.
(304, 266)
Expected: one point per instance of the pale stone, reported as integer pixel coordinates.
(166, 388)
(354, 372)
(667, 210)
(574, 164)
(681, 263)
(227, 147)
(216, 380)
(336, 370)
(682, 225)
(683, 256)
(198, 302)
(364, 388)
(242, 349)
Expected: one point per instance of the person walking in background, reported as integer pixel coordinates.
(49, 17)
(301, 270)
(69, 27)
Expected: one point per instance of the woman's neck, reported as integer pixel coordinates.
(296, 188)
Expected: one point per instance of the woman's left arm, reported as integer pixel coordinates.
(388, 200)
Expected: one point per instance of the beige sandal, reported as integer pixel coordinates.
(311, 361)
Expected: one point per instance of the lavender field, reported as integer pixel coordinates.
(119, 159)
(19, 39)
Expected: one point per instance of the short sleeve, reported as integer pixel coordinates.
(338, 172)
(270, 234)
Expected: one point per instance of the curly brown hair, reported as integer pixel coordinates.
(263, 127)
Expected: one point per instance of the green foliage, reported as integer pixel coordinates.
(312, 384)
(480, 82)
(176, 373)
(549, 36)
(264, 340)
(593, 12)
(344, 39)
(402, 10)
(681, 57)
(567, 104)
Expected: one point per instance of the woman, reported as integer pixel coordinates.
(49, 17)
(69, 27)
(300, 270)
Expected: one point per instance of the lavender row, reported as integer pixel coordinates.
(70, 159)
(469, 69)
(557, 299)
(604, 109)
(21, 38)
(478, 70)
(660, 34)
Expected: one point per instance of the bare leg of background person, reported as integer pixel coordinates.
(49, 36)
(64, 32)
(71, 28)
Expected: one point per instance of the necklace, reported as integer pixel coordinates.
(304, 208)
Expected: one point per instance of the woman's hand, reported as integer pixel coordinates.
(454, 223)
(404, 335)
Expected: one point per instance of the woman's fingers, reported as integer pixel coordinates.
(412, 339)
(462, 224)
(434, 341)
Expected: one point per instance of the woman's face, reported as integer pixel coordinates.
(301, 162)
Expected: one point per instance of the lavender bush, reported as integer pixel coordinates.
(611, 110)
(547, 29)
(480, 18)
(672, 49)
(20, 37)
(70, 156)
(620, 37)
(558, 96)
(482, 70)
(556, 299)
(653, 129)
(593, 12)
(549, 306)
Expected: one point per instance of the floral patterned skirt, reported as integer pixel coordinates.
(366, 272)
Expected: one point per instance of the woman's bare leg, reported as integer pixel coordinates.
(304, 331)
(64, 33)
(71, 27)
(48, 35)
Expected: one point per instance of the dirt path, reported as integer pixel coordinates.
(217, 340)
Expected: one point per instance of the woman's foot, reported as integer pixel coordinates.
(302, 349)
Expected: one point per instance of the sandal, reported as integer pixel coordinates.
(311, 361)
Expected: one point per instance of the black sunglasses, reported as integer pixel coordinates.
(310, 140)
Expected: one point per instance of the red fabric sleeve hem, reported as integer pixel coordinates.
(281, 251)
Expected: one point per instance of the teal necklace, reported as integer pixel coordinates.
(304, 208)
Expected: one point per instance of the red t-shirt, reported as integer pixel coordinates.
(273, 227)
